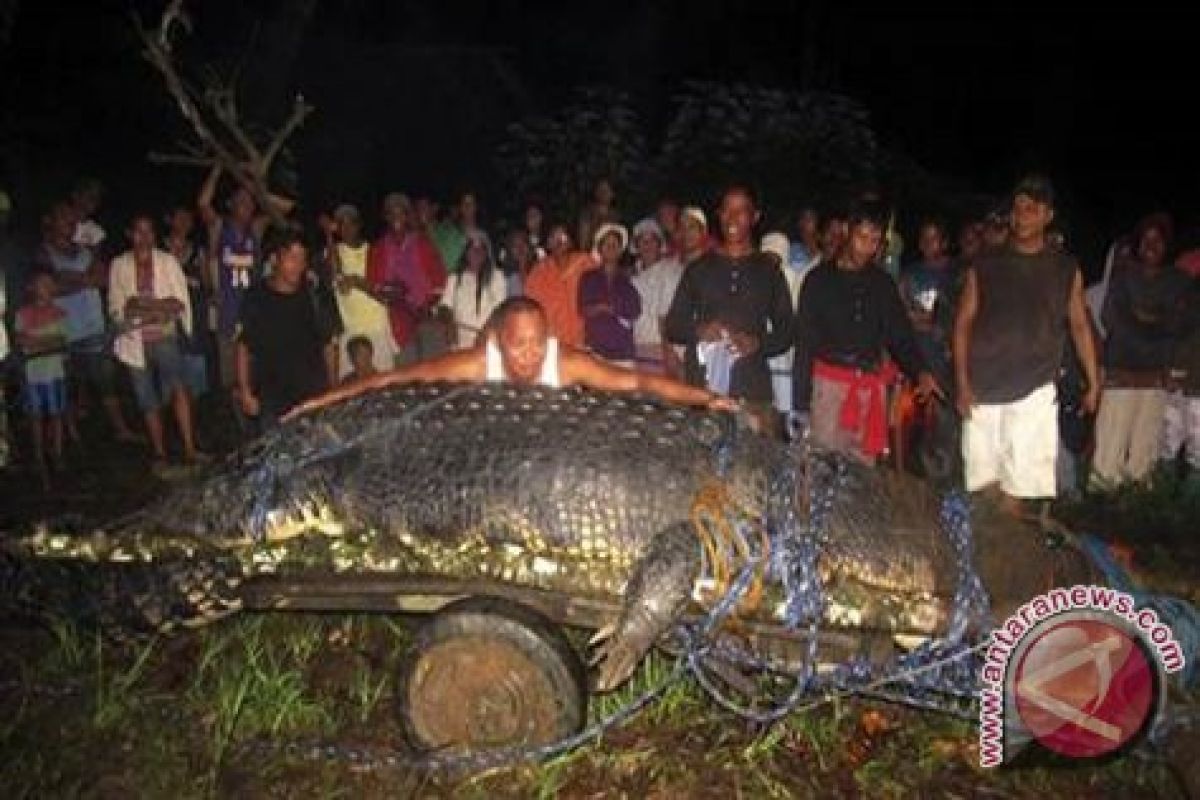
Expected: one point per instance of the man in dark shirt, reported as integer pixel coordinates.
(849, 314)
(726, 298)
(286, 350)
(1017, 305)
(926, 287)
(1143, 316)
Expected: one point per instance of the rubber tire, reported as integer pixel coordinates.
(506, 634)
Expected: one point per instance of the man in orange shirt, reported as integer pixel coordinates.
(554, 284)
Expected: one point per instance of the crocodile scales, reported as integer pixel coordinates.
(568, 490)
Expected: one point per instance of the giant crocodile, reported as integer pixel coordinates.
(568, 490)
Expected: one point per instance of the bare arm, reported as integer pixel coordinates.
(212, 226)
(331, 362)
(1085, 344)
(964, 321)
(460, 365)
(581, 368)
(284, 205)
(245, 395)
(204, 202)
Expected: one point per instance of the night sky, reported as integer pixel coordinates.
(976, 94)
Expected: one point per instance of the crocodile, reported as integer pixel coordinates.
(585, 493)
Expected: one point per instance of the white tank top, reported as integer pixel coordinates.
(494, 364)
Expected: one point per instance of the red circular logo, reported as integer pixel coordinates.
(1084, 687)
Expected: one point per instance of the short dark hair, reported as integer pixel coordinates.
(868, 210)
(1035, 186)
(280, 237)
(359, 343)
(1160, 221)
(934, 221)
(87, 184)
(741, 188)
(142, 214)
(519, 304)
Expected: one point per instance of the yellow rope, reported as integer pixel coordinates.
(714, 515)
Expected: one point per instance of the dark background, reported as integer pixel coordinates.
(414, 95)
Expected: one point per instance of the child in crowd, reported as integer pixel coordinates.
(362, 359)
(42, 336)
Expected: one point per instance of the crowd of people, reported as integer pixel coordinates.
(984, 344)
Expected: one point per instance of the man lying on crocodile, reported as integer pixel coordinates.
(475, 467)
(517, 348)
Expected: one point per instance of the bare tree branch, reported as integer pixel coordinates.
(224, 107)
(214, 118)
(183, 159)
(300, 111)
(161, 60)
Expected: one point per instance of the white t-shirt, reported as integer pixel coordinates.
(656, 285)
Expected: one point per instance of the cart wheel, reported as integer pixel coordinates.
(486, 673)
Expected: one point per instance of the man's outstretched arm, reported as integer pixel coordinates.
(593, 373)
(460, 365)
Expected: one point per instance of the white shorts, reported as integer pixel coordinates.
(1014, 444)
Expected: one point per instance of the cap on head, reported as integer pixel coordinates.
(1037, 188)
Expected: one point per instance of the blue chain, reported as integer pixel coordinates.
(938, 676)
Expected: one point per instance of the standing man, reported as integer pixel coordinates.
(806, 247)
(235, 253)
(850, 315)
(1145, 318)
(1017, 305)
(147, 288)
(733, 299)
(287, 349)
(927, 288)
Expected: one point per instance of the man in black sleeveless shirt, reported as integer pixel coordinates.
(1017, 305)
